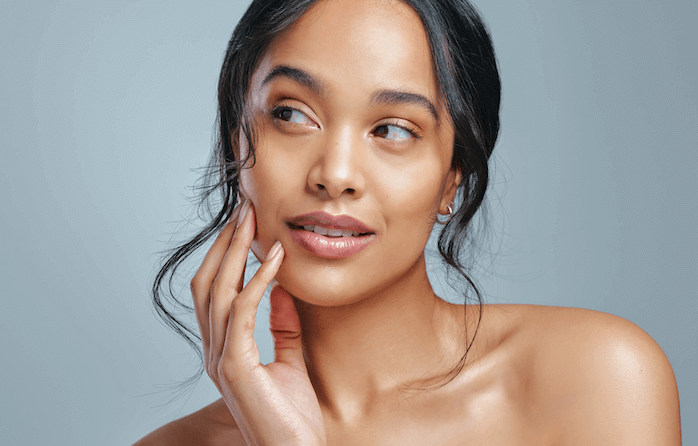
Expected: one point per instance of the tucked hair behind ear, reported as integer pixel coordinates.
(468, 79)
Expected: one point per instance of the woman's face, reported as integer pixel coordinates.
(349, 123)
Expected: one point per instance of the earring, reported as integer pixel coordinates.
(450, 215)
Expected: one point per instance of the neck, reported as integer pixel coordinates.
(398, 338)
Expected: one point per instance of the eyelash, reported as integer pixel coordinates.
(409, 129)
(274, 113)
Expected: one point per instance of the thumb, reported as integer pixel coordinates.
(285, 327)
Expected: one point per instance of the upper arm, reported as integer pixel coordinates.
(620, 386)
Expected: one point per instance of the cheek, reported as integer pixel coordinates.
(247, 186)
(409, 200)
(410, 196)
(248, 190)
(270, 188)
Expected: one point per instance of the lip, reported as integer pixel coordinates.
(331, 222)
(330, 247)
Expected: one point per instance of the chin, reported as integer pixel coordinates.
(331, 290)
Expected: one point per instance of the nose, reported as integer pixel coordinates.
(338, 167)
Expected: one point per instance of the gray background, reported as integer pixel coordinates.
(105, 109)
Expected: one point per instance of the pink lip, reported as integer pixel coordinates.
(330, 247)
(331, 222)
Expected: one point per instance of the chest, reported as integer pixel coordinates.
(490, 419)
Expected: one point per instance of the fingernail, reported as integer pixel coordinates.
(274, 250)
(243, 212)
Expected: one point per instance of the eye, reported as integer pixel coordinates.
(394, 132)
(292, 115)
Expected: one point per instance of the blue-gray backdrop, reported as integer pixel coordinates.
(105, 109)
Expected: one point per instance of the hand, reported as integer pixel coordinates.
(273, 404)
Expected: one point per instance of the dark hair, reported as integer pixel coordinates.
(466, 72)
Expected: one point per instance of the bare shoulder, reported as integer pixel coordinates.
(211, 425)
(602, 377)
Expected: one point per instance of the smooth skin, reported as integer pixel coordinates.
(357, 340)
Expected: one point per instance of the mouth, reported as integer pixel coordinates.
(329, 236)
(330, 225)
(329, 232)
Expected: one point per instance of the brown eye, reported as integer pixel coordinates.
(291, 115)
(381, 131)
(393, 133)
(285, 114)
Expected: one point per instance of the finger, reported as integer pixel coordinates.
(239, 343)
(225, 285)
(202, 280)
(285, 326)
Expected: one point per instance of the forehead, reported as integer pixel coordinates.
(358, 47)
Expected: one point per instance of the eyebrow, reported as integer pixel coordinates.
(317, 86)
(394, 97)
(299, 76)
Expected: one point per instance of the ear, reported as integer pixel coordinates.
(453, 180)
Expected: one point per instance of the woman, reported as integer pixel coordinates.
(346, 127)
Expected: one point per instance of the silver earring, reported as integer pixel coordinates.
(450, 215)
